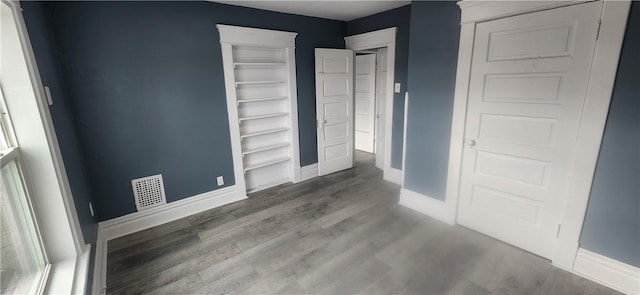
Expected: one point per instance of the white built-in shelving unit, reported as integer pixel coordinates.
(260, 81)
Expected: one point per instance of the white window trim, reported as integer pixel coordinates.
(42, 160)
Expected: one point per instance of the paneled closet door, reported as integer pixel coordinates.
(528, 84)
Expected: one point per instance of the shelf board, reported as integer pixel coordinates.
(239, 101)
(264, 132)
(259, 82)
(265, 148)
(258, 64)
(264, 116)
(266, 163)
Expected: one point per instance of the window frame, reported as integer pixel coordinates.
(12, 155)
(40, 158)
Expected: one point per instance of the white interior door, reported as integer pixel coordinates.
(528, 83)
(334, 109)
(381, 103)
(365, 102)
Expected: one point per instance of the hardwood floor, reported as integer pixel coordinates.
(339, 234)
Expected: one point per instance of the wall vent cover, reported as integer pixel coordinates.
(148, 192)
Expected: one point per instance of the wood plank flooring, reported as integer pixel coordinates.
(339, 234)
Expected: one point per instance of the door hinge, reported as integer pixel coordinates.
(598, 25)
(558, 233)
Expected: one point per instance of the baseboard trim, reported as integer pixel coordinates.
(82, 271)
(134, 222)
(393, 175)
(308, 172)
(606, 271)
(428, 206)
(99, 286)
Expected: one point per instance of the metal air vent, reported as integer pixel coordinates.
(148, 192)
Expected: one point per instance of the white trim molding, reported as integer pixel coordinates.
(373, 40)
(308, 172)
(606, 271)
(484, 10)
(426, 205)
(256, 37)
(393, 175)
(404, 138)
(594, 117)
(138, 221)
(141, 220)
(603, 72)
(45, 175)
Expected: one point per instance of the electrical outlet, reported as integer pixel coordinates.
(396, 88)
(220, 180)
(91, 209)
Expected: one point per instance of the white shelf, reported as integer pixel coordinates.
(265, 148)
(259, 82)
(272, 115)
(239, 101)
(258, 64)
(262, 103)
(266, 163)
(264, 132)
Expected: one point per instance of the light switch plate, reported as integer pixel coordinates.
(47, 92)
(396, 88)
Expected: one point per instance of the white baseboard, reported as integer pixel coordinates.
(134, 222)
(99, 286)
(606, 271)
(82, 271)
(393, 175)
(428, 206)
(308, 172)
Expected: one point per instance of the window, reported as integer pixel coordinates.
(23, 263)
(42, 245)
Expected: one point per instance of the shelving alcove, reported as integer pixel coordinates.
(260, 82)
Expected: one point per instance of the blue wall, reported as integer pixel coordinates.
(399, 18)
(612, 224)
(433, 54)
(147, 91)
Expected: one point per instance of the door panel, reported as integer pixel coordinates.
(334, 105)
(528, 83)
(365, 102)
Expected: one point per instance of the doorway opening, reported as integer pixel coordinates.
(369, 102)
(374, 41)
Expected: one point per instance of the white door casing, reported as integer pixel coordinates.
(365, 102)
(334, 109)
(381, 102)
(529, 77)
(385, 38)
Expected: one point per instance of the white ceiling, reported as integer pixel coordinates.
(345, 10)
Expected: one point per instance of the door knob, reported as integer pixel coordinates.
(471, 142)
(321, 123)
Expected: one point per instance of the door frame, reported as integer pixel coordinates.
(596, 106)
(385, 38)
